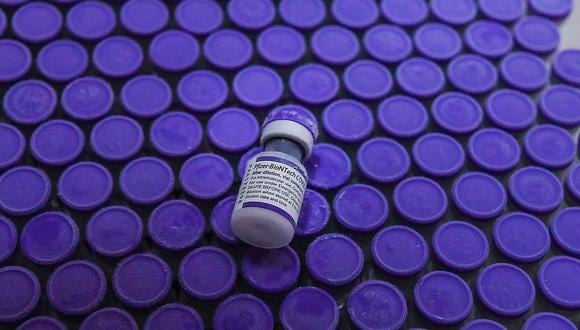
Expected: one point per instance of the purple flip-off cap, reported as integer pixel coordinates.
(355, 14)
(117, 57)
(407, 13)
(400, 251)
(328, 167)
(2, 22)
(479, 195)
(302, 14)
(454, 12)
(420, 77)
(504, 11)
(245, 158)
(12, 145)
(460, 246)
(558, 104)
(206, 176)
(511, 110)
(546, 320)
(524, 71)
(472, 74)
(383, 160)
(420, 200)
(85, 186)
(488, 38)
(32, 194)
(116, 138)
(296, 114)
(558, 281)
(483, 324)
(174, 315)
(174, 50)
(176, 225)
(29, 102)
(360, 208)
(251, 14)
(76, 288)
(505, 289)
(457, 113)
(114, 231)
(144, 17)
(146, 180)
(334, 259)
(437, 41)
(314, 83)
(367, 80)
(573, 182)
(494, 150)
(566, 66)
(49, 238)
(15, 60)
(146, 96)
(91, 20)
(521, 237)
(141, 280)
(108, 318)
(445, 309)
(334, 45)
(564, 230)
(537, 34)
(348, 121)
(402, 116)
(550, 146)
(377, 305)
(536, 189)
(438, 155)
(221, 218)
(176, 134)
(281, 45)
(207, 273)
(36, 22)
(42, 323)
(228, 49)
(8, 238)
(202, 91)
(552, 9)
(62, 60)
(233, 129)
(19, 293)
(87, 98)
(199, 17)
(309, 308)
(57, 142)
(258, 86)
(243, 311)
(314, 214)
(271, 271)
(387, 43)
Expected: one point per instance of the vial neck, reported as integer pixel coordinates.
(286, 146)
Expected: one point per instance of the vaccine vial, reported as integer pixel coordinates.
(270, 197)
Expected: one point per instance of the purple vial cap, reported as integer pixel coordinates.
(511, 109)
(36, 22)
(505, 289)
(85, 186)
(314, 84)
(174, 315)
(334, 45)
(233, 129)
(146, 96)
(407, 13)
(174, 50)
(314, 214)
(87, 98)
(457, 113)
(334, 259)
(536, 189)
(114, 231)
(141, 280)
(302, 14)
(144, 17)
(400, 251)
(199, 17)
(383, 160)
(564, 230)
(438, 155)
(221, 218)
(62, 60)
(146, 180)
(552, 9)
(309, 308)
(504, 11)
(228, 49)
(387, 43)
(377, 305)
(472, 74)
(107, 318)
(206, 176)
(202, 91)
(460, 246)
(437, 41)
(402, 116)
(328, 167)
(420, 200)
(537, 34)
(271, 271)
(566, 66)
(91, 20)
(57, 142)
(360, 208)
(49, 238)
(494, 150)
(573, 182)
(296, 114)
(281, 45)
(116, 138)
(42, 323)
(19, 293)
(348, 121)
(29, 102)
(8, 238)
(479, 195)
(445, 309)
(76, 288)
(117, 57)
(558, 104)
(245, 158)
(32, 194)
(15, 60)
(258, 86)
(355, 14)
(550, 146)
(3, 22)
(488, 38)
(524, 71)
(454, 12)
(176, 225)
(521, 237)
(483, 324)
(367, 80)
(420, 77)
(548, 320)
(207, 273)
(243, 311)
(12, 145)
(251, 14)
(176, 134)
(557, 279)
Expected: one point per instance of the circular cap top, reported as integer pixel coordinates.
(174, 50)
(455, 12)
(258, 86)
(438, 155)
(177, 315)
(387, 43)
(356, 14)
(472, 74)
(402, 116)
(91, 20)
(62, 60)
(19, 293)
(114, 231)
(547, 320)
(564, 231)
(360, 207)
(146, 180)
(494, 150)
(334, 259)
(488, 38)
(117, 138)
(36, 22)
(377, 305)
(524, 71)
(446, 309)
(176, 134)
(537, 34)
(85, 186)
(146, 96)
(202, 91)
(206, 176)
(42, 323)
(505, 11)
(383, 160)
(296, 114)
(221, 218)
(557, 281)
(557, 104)
(437, 41)
(314, 83)
(309, 308)
(479, 195)
(552, 9)
(457, 113)
(12, 145)
(109, 317)
(228, 49)
(420, 77)
(271, 270)
(8, 238)
(566, 67)
(314, 214)
(334, 45)
(573, 182)
(483, 324)
(176, 225)
(32, 194)
(87, 98)
(57, 142)
(400, 251)
(505, 289)
(511, 110)
(207, 273)
(117, 57)
(328, 167)
(550, 146)
(15, 60)
(460, 246)
(521, 237)
(367, 80)
(536, 189)
(302, 14)
(251, 14)
(348, 121)
(29, 102)
(199, 17)
(243, 311)
(405, 13)
(281, 45)
(420, 200)
(144, 17)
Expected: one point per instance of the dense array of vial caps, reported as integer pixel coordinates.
(442, 192)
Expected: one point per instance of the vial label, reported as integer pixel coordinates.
(274, 182)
